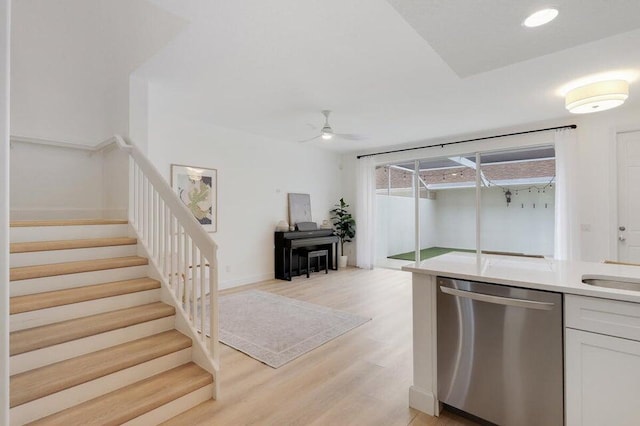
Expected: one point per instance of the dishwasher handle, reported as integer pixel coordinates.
(507, 301)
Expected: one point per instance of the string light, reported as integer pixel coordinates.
(529, 188)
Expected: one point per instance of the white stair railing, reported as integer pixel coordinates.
(182, 251)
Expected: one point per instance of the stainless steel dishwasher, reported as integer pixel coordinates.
(500, 352)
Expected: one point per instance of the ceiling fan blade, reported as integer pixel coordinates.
(350, 136)
(310, 139)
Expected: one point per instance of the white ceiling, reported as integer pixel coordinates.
(479, 36)
(270, 67)
(71, 60)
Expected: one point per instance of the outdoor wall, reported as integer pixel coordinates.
(455, 218)
(395, 225)
(525, 226)
(450, 221)
(255, 174)
(511, 229)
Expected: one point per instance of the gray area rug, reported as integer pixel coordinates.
(276, 329)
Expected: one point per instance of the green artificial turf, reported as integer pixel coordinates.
(427, 253)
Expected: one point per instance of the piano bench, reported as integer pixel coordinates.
(308, 255)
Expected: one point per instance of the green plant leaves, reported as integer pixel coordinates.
(343, 223)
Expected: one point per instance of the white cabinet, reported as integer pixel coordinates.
(603, 380)
(602, 372)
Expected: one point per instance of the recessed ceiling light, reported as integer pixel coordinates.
(541, 17)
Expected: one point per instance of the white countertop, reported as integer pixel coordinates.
(542, 274)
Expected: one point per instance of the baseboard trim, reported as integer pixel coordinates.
(422, 400)
(227, 284)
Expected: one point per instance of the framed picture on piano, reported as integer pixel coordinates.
(197, 188)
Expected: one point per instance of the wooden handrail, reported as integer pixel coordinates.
(182, 213)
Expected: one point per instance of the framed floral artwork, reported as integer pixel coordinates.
(197, 188)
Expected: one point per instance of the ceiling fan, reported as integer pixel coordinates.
(327, 132)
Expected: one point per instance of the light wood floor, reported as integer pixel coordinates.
(360, 378)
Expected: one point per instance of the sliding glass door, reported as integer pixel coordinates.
(447, 206)
(497, 202)
(518, 202)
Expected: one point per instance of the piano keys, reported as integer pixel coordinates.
(288, 243)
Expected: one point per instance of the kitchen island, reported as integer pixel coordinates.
(602, 329)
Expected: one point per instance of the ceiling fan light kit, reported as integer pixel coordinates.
(598, 96)
(327, 132)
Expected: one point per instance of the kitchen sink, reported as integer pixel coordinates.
(611, 282)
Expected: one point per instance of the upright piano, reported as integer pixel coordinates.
(288, 243)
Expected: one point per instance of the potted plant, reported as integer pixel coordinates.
(345, 227)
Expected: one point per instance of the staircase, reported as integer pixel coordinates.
(92, 341)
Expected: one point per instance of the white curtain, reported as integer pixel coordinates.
(365, 213)
(567, 220)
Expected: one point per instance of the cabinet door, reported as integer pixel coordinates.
(603, 379)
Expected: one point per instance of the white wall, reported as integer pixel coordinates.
(254, 176)
(597, 178)
(521, 227)
(49, 182)
(139, 112)
(115, 184)
(512, 229)
(456, 218)
(395, 225)
(5, 25)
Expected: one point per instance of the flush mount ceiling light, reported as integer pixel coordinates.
(598, 96)
(541, 17)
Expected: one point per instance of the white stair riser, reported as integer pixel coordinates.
(60, 282)
(76, 310)
(173, 408)
(60, 256)
(59, 401)
(52, 233)
(45, 356)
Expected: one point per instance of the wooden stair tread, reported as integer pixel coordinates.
(52, 269)
(29, 247)
(43, 381)
(52, 334)
(132, 401)
(71, 222)
(50, 299)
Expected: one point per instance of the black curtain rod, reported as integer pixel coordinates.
(442, 145)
